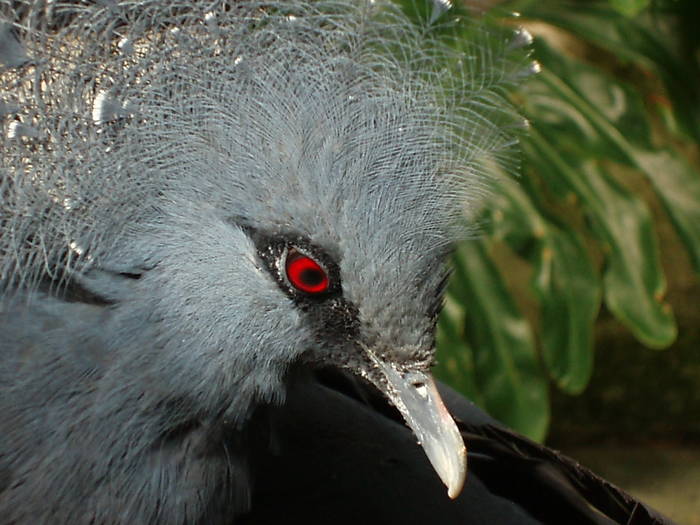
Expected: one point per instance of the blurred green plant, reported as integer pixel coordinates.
(586, 236)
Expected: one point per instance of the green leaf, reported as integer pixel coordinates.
(565, 282)
(620, 104)
(629, 7)
(676, 182)
(455, 360)
(640, 41)
(569, 292)
(634, 284)
(506, 369)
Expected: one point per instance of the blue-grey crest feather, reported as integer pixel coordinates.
(141, 143)
(118, 112)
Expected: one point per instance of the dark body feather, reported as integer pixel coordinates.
(335, 451)
(343, 456)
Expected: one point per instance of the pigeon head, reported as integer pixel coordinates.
(250, 188)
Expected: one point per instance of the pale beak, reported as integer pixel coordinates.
(416, 397)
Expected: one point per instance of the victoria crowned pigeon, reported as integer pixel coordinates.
(224, 229)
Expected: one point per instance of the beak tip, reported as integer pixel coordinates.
(454, 479)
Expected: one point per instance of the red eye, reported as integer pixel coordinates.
(306, 274)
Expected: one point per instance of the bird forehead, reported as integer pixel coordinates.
(334, 153)
(321, 166)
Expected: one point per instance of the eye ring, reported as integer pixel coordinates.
(305, 273)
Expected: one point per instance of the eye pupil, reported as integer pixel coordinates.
(312, 277)
(306, 274)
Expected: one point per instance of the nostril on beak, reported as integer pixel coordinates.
(421, 389)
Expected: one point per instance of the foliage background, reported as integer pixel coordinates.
(579, 248)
